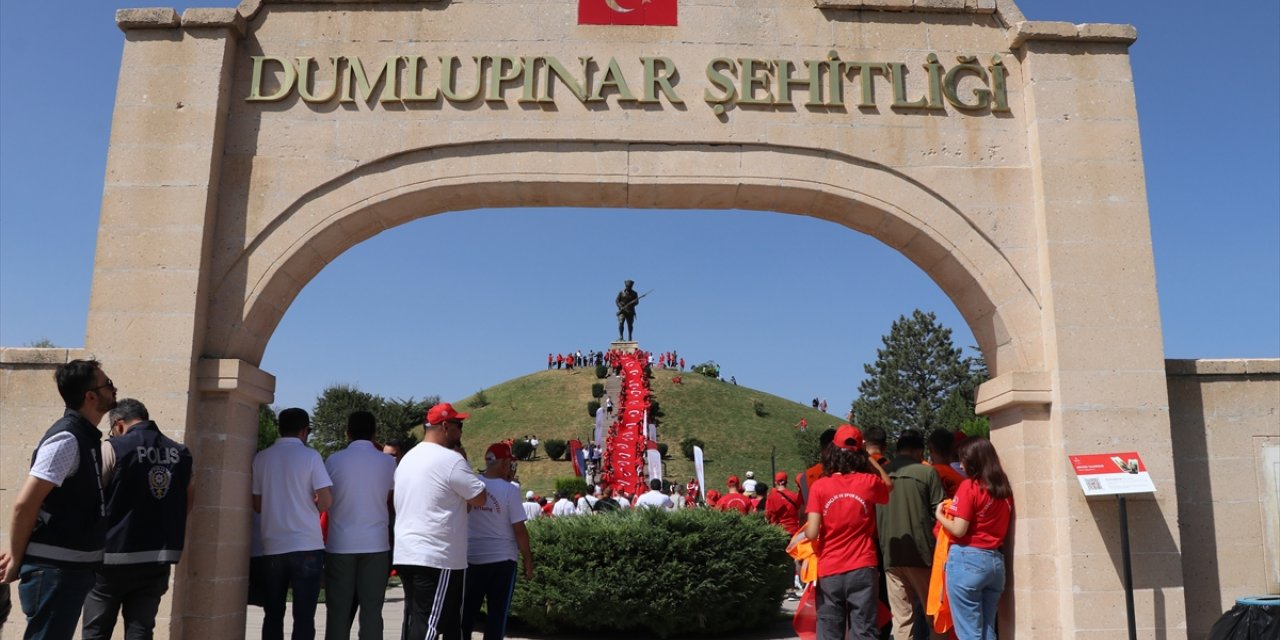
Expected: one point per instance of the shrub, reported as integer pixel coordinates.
(555, 448)
(687, 445)
(708, 369)
(695, 571)
(592, 407)
(522, 450)
(597, 390)
(807, 446)
(602, 371)
(758, 407)
(479, 400)
(655, 409)
(571, 486)
(663, 448)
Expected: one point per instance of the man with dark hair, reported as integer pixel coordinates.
(942, 456)
(655, 498)
(291, 488)
(905, 527)
(877, 444)
(58, 531)
(434, 484)
(805, 479)
(148, 495)
(358, 551)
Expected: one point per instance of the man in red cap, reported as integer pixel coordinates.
(496, 532)
(434, 485)
(733, 499)
(782, 507)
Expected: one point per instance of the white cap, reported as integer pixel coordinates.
(528, 495)
(751, 474)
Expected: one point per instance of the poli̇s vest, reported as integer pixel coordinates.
(71, 528)
(147, 498)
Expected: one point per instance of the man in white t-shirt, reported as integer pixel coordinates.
(563, 506)
(532, 509)
(495, 533)
(654, 497)
(434, 484)
(749, 485)
(358, 551)
(291, 489)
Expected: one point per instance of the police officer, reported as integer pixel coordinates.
(148, 495)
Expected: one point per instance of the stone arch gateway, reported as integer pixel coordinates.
(252, 146)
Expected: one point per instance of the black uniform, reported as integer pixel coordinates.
(147, 519)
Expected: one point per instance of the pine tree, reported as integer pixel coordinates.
(914, 375)
(329, 418)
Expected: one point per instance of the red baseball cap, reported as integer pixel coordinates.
(497, 451)
(848, 437)
(733, 481)
(444, 412)
(780, 476)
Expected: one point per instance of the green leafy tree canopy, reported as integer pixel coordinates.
(395, 417)
(919, 380)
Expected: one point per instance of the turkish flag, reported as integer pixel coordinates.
(659, 13)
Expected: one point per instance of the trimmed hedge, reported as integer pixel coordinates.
(602, 371)
(597, 390)
(522, 450)
(592, 407)
(571, 486)
(663, 448)
(687, 445)
(555, 448)
(694, 571)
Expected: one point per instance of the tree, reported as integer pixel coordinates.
(914, 375)
(268, 427)
(42, 343)
(397, 416)
(329, 417)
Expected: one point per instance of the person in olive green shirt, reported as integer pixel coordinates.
(905, 528)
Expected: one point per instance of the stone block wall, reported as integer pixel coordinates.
(1226, 427)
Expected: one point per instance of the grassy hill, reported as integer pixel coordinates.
(552, 404)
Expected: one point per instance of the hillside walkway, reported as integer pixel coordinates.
(393, 613)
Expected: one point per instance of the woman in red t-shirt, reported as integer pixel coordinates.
(842, 526)
(978, 522)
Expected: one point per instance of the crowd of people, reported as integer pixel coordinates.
(98, 525)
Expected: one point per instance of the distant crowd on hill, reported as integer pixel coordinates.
(576, 359)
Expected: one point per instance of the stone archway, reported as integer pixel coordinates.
(1001, 156)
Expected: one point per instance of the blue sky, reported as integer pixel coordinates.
(788, 304)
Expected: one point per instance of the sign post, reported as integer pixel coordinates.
(1118, 474)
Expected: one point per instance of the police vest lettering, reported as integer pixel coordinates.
(158, 455)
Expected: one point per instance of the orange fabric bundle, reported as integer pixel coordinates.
(801, 548)
(936, 605)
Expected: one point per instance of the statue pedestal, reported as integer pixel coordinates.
(625, 346)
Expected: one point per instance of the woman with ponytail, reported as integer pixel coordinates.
(978, 521)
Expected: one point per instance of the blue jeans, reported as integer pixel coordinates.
(301, 571)
(491, 584)
(975, 580)
(51, 598)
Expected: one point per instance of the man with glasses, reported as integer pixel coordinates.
(290, 489)
(434, 484)
(58, 532)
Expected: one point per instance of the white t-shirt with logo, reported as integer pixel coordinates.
(362, 479)
(489, 535)
(433, 485)
(287, 476)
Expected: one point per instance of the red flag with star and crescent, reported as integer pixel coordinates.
(659, 13)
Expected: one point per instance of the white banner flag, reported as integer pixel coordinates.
(655, 464)
(697, 469)
(600, 427)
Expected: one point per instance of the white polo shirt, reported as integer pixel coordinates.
(655, 499)
(433, 485)
(287, 475)
(362, 477)
(490, 537)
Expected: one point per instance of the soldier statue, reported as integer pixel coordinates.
(627, 301)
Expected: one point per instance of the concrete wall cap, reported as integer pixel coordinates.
(248, 9)
(39, 355)
(1223, 367)
(1090, 32)
(154, 18)
(935, 6)
(221, 18)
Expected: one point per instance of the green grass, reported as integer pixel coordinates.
(552, 404)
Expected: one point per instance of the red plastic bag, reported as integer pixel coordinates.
(806, 620)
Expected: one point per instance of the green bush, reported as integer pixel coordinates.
(655, 409)
(602, 371)
(687, 445)
(555, 448)
(758, 407)
(479, 400)
(597, 390)
(808, 446)
(708, 369)
(695, 571)
(592, 407)
(663, 448)
(571, 486)
(522, 450)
